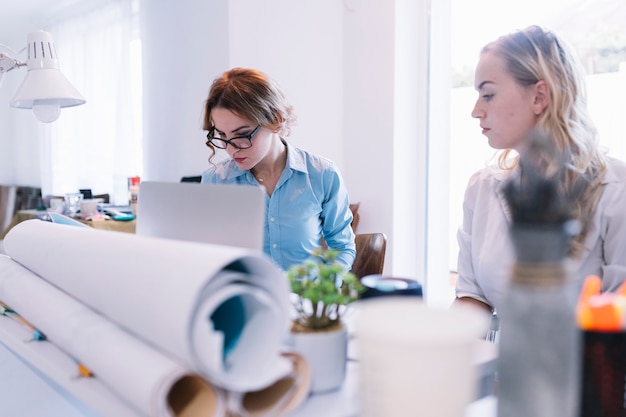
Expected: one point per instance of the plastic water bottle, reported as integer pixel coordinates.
(539, 359)
(133, 193)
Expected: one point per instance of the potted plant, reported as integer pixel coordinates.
(321, 290)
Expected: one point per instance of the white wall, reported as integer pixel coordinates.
(19, 156)
(185, 44)
(206, 39)
(337, 71)
(368, 130)
(300, 44)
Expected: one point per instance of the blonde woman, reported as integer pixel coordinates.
(526, 81)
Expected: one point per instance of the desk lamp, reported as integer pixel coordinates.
(44, 89)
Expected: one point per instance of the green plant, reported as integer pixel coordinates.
(323, 290)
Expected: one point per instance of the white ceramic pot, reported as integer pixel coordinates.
(326, 353)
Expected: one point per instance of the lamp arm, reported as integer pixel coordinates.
(7, 62)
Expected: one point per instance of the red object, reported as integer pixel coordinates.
(133, 181)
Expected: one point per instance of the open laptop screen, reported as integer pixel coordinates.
(221, 214)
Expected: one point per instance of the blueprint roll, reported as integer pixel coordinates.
(221, 310)
(130, 377)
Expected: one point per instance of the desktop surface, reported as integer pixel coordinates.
(23, 382)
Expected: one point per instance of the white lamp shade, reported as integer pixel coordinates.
(44, 84)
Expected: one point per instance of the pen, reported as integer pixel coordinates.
(7, 311)
(83, 371)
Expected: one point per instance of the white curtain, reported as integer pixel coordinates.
(96, 145)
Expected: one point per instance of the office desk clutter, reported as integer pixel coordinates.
(378, 285)
(601, 316)
(133, 193)
(118, 214)
(539, 362)
(91, 209)
(178, 211)
(126, 222)
(416, 360)
(81, 205)
(72, 203)
(137, 376)
(321, 292)
(601, 311)
(165, 326)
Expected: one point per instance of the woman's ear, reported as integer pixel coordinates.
(280, 122)
(542, 97)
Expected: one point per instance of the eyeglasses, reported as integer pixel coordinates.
(240, 142)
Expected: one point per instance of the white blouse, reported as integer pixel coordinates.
(486, 254)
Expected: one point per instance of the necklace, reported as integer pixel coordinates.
(259, 179)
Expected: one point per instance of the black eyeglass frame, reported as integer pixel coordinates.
(223, 143)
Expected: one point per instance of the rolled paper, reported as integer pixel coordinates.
(132, 371)
(222, 311)
(43, 362)
(280, 398)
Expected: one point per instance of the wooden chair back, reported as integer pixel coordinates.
(106, 198)
(370, 254)
(356, 217)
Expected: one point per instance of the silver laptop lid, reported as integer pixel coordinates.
(221, 214)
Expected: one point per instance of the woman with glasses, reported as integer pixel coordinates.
(247, 115)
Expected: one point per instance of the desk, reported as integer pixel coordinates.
(113, 225)
(22, 383)
(19, 389)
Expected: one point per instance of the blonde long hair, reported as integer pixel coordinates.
(535, 54)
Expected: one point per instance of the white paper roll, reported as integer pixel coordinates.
(223, 311)
(139, 375)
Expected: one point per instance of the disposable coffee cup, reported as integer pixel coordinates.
(57, 205)
(72, 203)
(416, 360)
(89, 208)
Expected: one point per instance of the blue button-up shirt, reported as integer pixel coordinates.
(310, 201)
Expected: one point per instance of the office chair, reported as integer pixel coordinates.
(370, 254)
(356, 217)
(193, 178)
(106, 198)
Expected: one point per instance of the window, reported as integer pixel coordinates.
(97, 145)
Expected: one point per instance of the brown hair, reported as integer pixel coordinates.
(250, 94)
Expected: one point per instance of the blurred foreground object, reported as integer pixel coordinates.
(539, 342)
(601, 319)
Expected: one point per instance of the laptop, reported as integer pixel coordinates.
(221, 214)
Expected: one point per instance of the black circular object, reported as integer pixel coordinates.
(378, 286)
